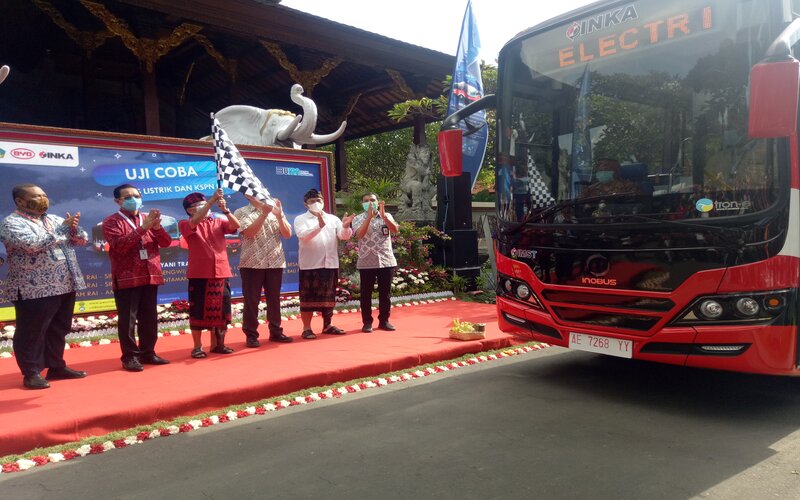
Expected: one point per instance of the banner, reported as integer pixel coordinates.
(467, 87)
(80, 172)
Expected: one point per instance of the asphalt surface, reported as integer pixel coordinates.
(548, 424)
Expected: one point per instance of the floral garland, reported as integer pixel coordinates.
(123, 439)
(173, 320)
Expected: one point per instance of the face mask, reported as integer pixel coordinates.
(38, 205)
(366, 205)
(316, 206)
(604, 176)
(132, 204)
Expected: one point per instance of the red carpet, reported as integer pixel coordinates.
(111, 399)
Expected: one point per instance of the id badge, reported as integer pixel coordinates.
(143, 254)
(58, 254)
(385, 230)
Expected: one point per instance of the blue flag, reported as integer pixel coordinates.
(467, 88)
(581, 138)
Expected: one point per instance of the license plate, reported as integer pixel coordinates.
(601, 345)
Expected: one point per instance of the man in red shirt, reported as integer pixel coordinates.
(134, 240)
(208, 272)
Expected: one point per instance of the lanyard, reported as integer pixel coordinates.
(44, 221)
(130, 223)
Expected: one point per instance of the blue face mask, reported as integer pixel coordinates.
(132, 204)
(604, 176)
(366, 205)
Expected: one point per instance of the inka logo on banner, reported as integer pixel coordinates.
(601, 22)
(55, 156)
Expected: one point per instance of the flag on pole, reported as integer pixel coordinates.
(233, 172)
(581, 138)
(467, 87)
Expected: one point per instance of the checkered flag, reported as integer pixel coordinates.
(537, 187)
(233, 172)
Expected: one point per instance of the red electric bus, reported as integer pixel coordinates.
(648, 171)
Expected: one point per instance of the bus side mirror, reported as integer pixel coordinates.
(450, 151)
(774, 88)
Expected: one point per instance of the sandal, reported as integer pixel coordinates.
(221, 349)
(198, 353)
(332, 330)
(308, 334)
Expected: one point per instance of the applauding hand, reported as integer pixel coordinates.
(347, 219)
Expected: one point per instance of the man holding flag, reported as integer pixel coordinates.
(209, 270)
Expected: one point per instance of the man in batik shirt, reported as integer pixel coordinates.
(42, 279)
(261, 265)
(376, 262)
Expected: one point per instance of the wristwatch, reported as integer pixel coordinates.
(226, 212)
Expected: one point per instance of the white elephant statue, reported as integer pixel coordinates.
(275, 127)
(4, 72)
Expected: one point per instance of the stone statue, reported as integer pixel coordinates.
(275, 127)
(416, 204)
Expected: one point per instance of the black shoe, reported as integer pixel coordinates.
(366, 328)
(132, 365)
(35, 382)
(64, 373)
(386, 326)
(252, 343)
(221, 349)
(153, 359)
(281, 337)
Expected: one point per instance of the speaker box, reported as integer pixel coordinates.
(461, 250)
(454, 202)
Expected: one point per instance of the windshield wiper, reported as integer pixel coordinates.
(543, 212)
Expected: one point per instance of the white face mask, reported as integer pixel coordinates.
(316, 206)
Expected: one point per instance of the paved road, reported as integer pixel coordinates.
(549, 424)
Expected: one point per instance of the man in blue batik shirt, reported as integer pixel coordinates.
(42, 279)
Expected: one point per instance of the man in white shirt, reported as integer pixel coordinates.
(318, 234)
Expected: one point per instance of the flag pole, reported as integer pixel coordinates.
(219, 181)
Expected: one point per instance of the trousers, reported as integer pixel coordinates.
(42, 325)
(384, 277)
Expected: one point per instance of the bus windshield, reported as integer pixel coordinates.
(635, 112)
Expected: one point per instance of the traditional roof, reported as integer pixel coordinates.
(84, 64)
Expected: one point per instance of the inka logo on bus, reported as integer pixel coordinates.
(601, 22)
(651, 32)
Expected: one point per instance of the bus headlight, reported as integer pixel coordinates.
(517, 289)
(710, 309)
(735, 308)
(747, 306)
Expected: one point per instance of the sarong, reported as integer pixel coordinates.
(318, 289)
(209, 303)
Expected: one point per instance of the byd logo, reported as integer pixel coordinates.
(22, 153)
